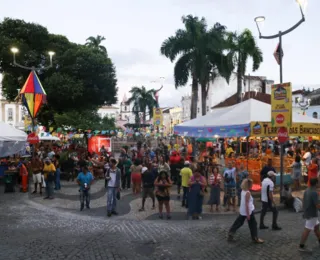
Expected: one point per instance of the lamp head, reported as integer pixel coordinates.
(14, 50)
(51, 53)
(259, 19)
(303, 5)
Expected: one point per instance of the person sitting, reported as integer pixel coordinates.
(287, 197)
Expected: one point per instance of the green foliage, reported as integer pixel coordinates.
(143, 100)
(83, 77)
(85, 120)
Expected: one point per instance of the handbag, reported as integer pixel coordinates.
(43, 182)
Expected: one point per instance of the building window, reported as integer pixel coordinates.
(296, 100)
(198, 110)
(125, 108)
(315, 115)
(10, 114)
(207, 108)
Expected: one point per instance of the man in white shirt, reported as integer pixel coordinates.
(307, 157)
(268, 201)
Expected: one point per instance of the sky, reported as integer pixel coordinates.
(134, 31)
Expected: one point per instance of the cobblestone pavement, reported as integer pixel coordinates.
(33, 230)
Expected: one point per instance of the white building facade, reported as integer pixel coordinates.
(12, 113)
(108, 111)
(220, 90)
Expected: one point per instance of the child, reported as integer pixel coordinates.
(214, 182)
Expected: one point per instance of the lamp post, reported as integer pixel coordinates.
(302, 4)
(15, 50)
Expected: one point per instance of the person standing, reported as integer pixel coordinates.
(126, 182)
(242, 174)
(268, 201)
(312, 170)
(36, 167)
(148, 187)
(197, 185)
(113, 177)
(48, 172)
(58, 172)
(136, 176)
(163, 166)
(267, 168)
(215, 182)
(297, 172)
(163, 184)
(185, 174)
(246, 211)
(84, 180)
(229, 176)
(311, 206)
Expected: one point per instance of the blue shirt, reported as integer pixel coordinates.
(84, 178)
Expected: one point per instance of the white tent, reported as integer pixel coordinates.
(12, 140)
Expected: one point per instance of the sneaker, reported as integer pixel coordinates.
(276, 228)
(231, 238)
(263, 227)
(142, 209)
(258, 241)
(305, 250)
(114, 213)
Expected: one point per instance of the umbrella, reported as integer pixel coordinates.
(33, 94)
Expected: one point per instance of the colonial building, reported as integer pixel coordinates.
(220, 90)
(12, 113)
(108, 111)
(307, 101)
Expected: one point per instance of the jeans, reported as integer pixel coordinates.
(85, 195)
(111, 199)
(252, 225)
(185, 196)
(126, 180)
(265, 207)
(57, 179)
(49, 188)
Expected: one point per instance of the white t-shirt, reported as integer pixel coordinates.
(230, 173)
(307, 157)
(267, 182)
(243, 209)
(112, 181)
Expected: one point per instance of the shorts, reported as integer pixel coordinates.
(160, 198)
(136, 178)
(231, 192)
(311, 223)
(147, 192)
(37, 178)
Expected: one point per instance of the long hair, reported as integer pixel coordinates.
(160, 174)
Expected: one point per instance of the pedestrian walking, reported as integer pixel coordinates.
(246, 211)
(215, 182)
(185, 174)
(297, 172)
(113, 177)
(268, 201)
(84, 180)
(311, 206)
(197, 185)
(148, 187)
(48, 172)
(163, 184)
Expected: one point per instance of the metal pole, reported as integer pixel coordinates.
(281, 146)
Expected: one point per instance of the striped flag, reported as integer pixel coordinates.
(277, 52)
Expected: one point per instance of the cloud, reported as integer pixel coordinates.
(131, 57)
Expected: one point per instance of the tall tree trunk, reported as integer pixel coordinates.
(239, 84)
(194, 97)
(204, 95)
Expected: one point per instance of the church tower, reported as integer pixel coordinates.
(125, 108)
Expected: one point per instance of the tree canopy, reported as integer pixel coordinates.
(81, 78)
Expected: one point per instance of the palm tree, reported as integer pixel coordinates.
(95, 42)
(142, 100)
(186, 45)
(200, 55)
(241, 47)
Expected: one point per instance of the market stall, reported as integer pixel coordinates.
(249, 118)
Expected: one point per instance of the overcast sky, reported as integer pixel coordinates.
(135, 29)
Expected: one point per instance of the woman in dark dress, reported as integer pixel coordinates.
(197, 184)
(214, 182)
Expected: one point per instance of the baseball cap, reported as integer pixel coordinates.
(186, 163)
(271, 173)
(144, 169)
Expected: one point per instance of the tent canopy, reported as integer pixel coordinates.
(12, 140)
(233, 121)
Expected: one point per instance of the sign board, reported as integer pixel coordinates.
(277, 52)
(283, 135)
(157, 117)
(96, 142)
(265, 129)
(33, 138)
(281, 105)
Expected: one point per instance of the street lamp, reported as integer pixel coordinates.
(302, 5)
(15, 50)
